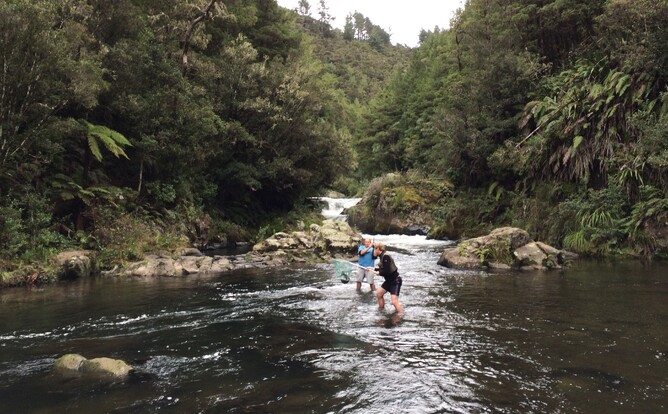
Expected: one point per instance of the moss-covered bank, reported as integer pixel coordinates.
(588, 222)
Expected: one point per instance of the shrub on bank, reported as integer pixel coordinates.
(120, 237)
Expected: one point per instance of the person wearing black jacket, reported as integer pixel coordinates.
(388, 269)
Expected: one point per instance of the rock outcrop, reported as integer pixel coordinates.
(399, 204)
(75, 264)
(332, 239)
(504, 248)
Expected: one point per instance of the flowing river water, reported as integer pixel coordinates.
(593, 339)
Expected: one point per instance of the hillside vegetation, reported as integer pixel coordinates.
(545, 115)
(139, 125)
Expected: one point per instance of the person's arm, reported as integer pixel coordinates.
(364, 252)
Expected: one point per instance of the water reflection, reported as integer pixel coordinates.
(391, 320)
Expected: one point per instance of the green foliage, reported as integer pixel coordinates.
(646, 215)
(13, 241)
(580, 129)
(402, 199)
(122, 236)
(349, 186)
(633, 34)
(596, 228)
(26, 232)
(465, 215)
(649, 158)
(110, 139)
(50, 64)
(437, 115)
(483, 254)
(592, 129)
(299, 219)
(65, 189)
(163, 193)
(593, 226)
(498, 252)
(549, 116)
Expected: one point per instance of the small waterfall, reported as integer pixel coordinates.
(334, 206)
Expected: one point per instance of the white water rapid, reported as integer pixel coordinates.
(335, 206)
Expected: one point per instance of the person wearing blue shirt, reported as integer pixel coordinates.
(366, 261)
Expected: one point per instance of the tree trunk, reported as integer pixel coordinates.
(191, 28)
(79, 206)
(141, 175)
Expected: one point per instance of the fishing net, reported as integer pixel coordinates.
(343, 270)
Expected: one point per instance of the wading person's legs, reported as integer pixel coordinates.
(369, 278)
(381, 301)
(360, 278)
(396, 304)
(394, 292)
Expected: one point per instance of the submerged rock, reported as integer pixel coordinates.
(105, 368)
(68, 365)
(77, 366)
(586, 379)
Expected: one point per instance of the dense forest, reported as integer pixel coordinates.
(546, 115)
(137, 125)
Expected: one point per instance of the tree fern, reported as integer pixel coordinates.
(654, 203)
(112, 140)
(588, 114)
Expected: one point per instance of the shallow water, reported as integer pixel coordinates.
(592, 339)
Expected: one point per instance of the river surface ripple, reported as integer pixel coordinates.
(591, 339)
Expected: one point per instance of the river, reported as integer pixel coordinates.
(592, 339)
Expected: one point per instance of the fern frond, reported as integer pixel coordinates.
(94, 147)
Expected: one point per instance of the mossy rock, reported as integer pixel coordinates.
(399, 203)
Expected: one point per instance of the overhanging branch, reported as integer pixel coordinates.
(204, 15)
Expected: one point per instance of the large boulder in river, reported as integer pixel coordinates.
(77, 366)
(335, 236)
(504, 248)
(399, 204)
(283, 241)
